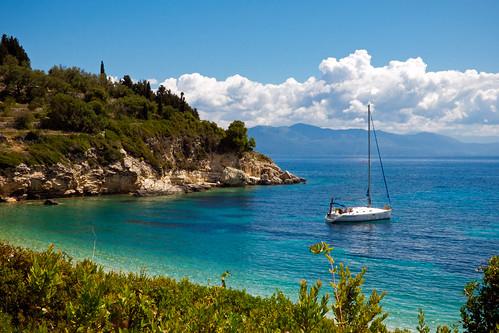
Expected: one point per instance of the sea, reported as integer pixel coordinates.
(445, 225)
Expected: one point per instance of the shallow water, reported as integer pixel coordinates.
(445, 224)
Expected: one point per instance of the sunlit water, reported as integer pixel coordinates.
(445, 224)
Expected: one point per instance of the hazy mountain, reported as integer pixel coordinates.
(307, 140)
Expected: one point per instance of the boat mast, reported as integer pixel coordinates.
(368, 155)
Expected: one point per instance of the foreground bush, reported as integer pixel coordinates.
(481, 311)
(46, 291)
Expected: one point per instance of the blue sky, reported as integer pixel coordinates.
(267, 41)
(233, 58)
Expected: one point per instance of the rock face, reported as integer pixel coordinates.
(133, 175)
(234, 177)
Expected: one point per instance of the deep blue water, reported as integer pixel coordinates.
(445, 224)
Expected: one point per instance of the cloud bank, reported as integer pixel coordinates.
(406, 97)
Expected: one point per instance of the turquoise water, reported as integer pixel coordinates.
(445, 224)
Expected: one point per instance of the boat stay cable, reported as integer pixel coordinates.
(381, 162)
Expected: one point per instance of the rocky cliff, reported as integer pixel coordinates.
(132, 175)
(68, 132)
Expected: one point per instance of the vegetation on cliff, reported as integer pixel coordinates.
(46, 291)
(50, 117)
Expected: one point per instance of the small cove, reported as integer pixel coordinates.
(445, 225)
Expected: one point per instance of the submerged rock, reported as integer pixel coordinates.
(8, 199)
(50, 202)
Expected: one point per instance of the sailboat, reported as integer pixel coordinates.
(367, 213)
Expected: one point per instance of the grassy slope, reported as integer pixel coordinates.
(42, 146)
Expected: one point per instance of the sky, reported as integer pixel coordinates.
(425, 65)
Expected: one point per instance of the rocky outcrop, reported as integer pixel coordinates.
(133, 175)
(234, 177)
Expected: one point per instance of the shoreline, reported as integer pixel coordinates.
(187, 189)
(134, 176)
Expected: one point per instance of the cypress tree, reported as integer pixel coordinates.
(102, 77)
(182, 102)
(148, 92)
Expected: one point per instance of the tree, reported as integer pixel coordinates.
(15, 79)
(160, 95)
(182, 102)
(102, 76)
(137, 106)
(10, 46)
(78, 80)
(481, 311)
(142, 88)
(96, 93)
(148, 91)
(236, 138)
(68, 113)
(127, 81)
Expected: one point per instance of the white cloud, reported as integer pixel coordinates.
(407, 97)
(153, 81)
(113, 79)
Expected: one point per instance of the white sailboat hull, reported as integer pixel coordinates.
(359, 214)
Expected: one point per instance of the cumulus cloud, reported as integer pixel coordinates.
(153, 81)
(113, 79)
(406, 97)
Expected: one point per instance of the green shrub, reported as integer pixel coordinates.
(352, 312)
(6, 323)
(10, 159)
(97, 106)
(56, 148)
(422, 326)
(24, 121)
(96, 93)
(6, 106)
(74, 79)
(36, 103)
(136, 106)
(47, 292)
(68, 113)
(481, 311)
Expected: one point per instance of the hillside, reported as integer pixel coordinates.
(306, 140)
(69, 132)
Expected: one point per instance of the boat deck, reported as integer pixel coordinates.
(359, 214)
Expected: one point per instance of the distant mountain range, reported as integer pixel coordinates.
(302, 140)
